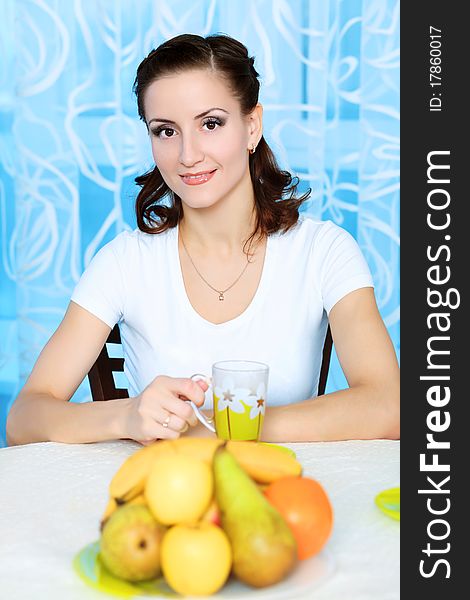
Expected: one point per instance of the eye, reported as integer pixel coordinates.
(212, 123)
(163, 132)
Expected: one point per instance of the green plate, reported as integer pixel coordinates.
(90, 569)
(389, 502)
(308, 574)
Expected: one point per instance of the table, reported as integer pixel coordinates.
(52, 496)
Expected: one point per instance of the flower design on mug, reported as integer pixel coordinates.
(257, 401)
(231, 397)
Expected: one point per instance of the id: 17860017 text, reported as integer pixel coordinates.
(435, 69)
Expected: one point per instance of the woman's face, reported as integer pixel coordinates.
(200, 139)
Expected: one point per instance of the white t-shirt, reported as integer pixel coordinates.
(136, 280)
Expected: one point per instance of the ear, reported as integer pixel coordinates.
(255, 125)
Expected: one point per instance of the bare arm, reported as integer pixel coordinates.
(41, 412)
(370, 407)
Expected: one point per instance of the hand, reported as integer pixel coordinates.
(162, 410)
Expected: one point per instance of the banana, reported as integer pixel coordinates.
(262, 462)
(129, 480)
(200, 448)
(113, 505)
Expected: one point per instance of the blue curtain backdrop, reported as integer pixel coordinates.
(71, 143)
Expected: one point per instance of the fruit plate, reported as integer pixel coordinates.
(307, 575)
(389, 502)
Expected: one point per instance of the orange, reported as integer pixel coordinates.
(305, 506)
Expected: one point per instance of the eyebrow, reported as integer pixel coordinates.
(199, 116)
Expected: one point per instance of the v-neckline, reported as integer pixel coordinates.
(263, 284)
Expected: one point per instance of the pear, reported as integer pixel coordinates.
(264, 548)
(130, 543)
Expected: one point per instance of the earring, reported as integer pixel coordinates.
(253, 149)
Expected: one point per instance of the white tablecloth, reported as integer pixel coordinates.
(53, 495)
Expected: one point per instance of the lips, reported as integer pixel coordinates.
(197, 178)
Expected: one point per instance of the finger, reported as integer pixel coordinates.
(182, 411)
(157, 431)
(202, 384)
(180, 408)
(168, 404)
(167, 419)
(192, 390)
(146, 442)
(174, 422)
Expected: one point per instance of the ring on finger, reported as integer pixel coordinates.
(166, 421)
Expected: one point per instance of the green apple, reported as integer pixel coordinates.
(130, 543)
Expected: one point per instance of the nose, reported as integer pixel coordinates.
(190, 151)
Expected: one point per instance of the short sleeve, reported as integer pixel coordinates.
(100, 289)
(342, 265)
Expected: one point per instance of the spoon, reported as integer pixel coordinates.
(201, 417)
(206, 422)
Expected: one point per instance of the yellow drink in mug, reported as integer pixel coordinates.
(239, 389)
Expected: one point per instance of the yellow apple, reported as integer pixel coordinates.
(179, 489)
(196, 559)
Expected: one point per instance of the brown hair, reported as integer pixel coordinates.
(277, 207)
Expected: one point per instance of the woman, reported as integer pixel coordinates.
(219, 268)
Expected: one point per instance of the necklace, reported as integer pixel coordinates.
(220, 292)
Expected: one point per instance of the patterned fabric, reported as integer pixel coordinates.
(71, 142)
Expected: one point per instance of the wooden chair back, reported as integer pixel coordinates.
(325, 363)
(101, 377)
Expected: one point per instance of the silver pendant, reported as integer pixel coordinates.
(221, 296)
